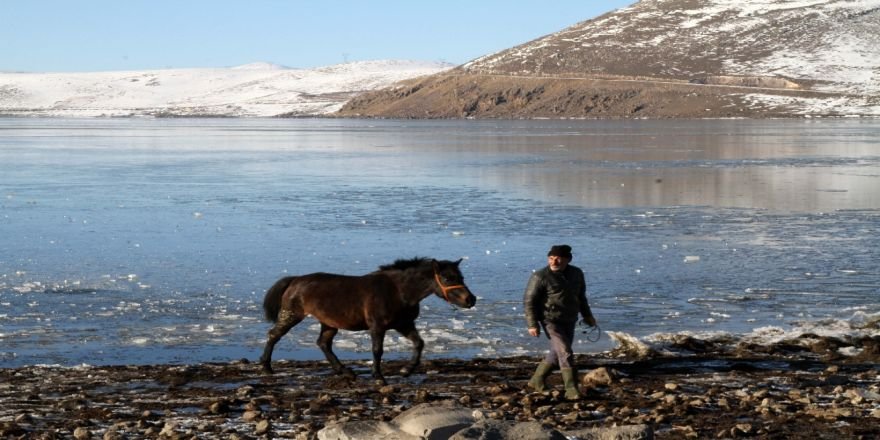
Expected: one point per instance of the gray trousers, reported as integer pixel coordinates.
(561, 337)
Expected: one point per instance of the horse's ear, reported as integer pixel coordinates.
(435, 265)
(458, 262)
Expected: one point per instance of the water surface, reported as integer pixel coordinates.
(141, 241)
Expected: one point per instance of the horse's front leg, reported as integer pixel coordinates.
(378, 337)
(412, 334)
(325, 343)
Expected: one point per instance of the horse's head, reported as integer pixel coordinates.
(450, 284)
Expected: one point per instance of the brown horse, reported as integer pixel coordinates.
(385, 299)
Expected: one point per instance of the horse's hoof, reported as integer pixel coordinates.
(380, 382)
(345, 372)
(268, 370)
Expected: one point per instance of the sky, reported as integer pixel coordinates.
(102, 35)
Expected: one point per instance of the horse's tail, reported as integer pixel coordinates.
(272, 301)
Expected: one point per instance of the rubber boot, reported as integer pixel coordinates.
(537, 380)
(569, 379)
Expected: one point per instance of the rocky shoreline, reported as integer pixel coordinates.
(699, 396)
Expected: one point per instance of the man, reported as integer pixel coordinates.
(554, 297)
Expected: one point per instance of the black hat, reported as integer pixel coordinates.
(560, 250)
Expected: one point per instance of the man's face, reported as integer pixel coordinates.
(557, 263)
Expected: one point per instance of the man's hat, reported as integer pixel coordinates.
(560, 250)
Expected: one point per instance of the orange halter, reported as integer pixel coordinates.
(446, 289)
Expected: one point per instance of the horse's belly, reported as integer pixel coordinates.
(342, 323)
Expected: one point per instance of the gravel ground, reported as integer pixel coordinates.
(683, 397)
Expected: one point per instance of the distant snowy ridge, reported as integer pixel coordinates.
(260, 65)
(251, 90)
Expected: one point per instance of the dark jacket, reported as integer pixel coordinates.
(556, 296)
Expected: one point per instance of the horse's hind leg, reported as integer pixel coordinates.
(286, 320)
(325, 343)
(412, 334)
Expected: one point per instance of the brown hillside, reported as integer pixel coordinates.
(456, 95)
(666, 59)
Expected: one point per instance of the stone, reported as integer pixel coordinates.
(244, 392)
(363, 430)
(598, 377)
(543, 410)
(168, 429)
(742, 429)
(250, 416)
(434, 422)
(221, 407)
(262, 427)
(628, 432)
(507, 430)
(387, 390)
(82, 433)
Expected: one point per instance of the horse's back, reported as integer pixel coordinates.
(343, 301)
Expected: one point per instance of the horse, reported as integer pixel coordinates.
(385, 299)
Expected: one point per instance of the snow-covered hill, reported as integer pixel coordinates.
(257, 89)
(828, 47)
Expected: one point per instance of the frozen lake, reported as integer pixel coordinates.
(144, 241)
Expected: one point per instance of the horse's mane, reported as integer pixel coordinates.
(402, 264)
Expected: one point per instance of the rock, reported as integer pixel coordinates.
(598, 377)
(221, 407)
(82, 433)
(741, 429)
(434, 421)
(569, 418)
(860, 395)
(543, 410)
(168, 429)
(494, 390)
(422, 395)
(629, 432)
(252, 406)
(262, 427)
(505, 430)
(250, 416)
(244, 392)
(362, 430)
(387, 390)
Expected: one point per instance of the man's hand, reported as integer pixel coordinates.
(534, 331)
(590, 321)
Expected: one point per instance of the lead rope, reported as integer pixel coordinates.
(591, 331)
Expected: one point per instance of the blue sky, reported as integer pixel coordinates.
(98, 35)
